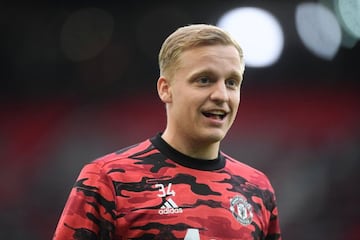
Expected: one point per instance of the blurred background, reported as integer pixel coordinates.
(78, 80)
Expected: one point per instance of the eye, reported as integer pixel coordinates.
(203, 80)
(232, 83)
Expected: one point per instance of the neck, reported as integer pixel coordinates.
(192, 147)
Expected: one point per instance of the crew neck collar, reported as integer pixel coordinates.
(184, 160)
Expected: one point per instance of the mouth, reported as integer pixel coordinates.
(215, 114)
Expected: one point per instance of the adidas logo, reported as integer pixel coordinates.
(170, 207)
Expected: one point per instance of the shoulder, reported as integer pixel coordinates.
(122, 157)
(251, 174)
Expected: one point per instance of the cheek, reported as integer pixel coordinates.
(235, 100)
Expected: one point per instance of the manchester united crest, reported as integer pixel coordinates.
(241, 210)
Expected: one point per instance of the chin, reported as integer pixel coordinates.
(215, 136)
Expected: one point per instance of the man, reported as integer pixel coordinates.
(178, 184)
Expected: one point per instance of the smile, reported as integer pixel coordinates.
(215, 114)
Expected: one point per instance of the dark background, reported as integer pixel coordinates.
(70, 95)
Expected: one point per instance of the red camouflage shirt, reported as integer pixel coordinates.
(152, 191)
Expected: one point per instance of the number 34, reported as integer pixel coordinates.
(165, 191)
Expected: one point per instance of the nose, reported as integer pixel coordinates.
(220, 92)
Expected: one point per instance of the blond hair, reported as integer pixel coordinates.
(191, 36)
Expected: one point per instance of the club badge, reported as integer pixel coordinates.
(241, 210)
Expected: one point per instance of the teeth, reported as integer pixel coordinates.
(217, 112)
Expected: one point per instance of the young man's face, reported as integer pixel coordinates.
(204, 93)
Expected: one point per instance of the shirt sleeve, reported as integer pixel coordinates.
(273, 231)
(89, 212)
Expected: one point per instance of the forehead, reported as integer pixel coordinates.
(218, 61)
(217, 55)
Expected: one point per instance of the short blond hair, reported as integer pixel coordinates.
(191, 36)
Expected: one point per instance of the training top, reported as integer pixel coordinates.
(152, 191)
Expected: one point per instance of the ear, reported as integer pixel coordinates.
(164, 89)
